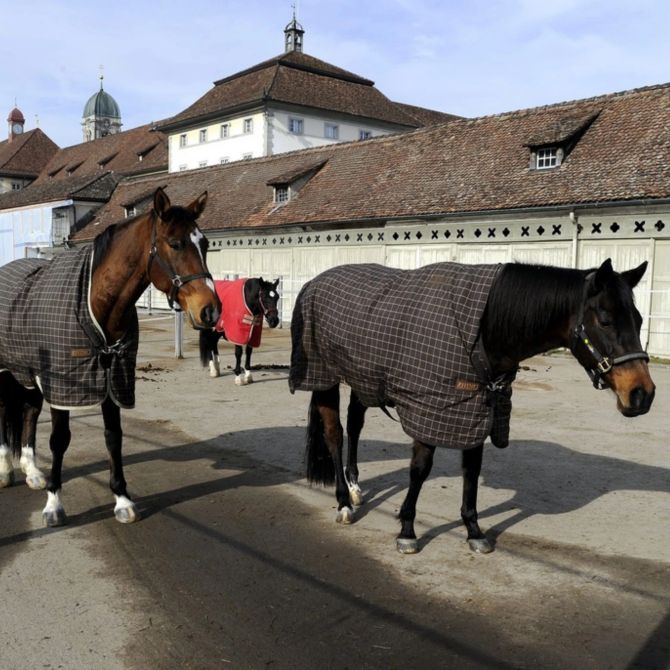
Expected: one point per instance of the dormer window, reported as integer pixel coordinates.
(548, 157)
(131, 210)
(282, 194)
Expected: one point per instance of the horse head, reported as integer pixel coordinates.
(606, 338)
(268, 297)
(177, 261)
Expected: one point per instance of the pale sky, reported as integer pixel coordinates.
(466, 57)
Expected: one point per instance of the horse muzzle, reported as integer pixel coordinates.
(639, 401)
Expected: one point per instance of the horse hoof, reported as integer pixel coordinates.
(356, 495)
(480, 545)
(213, 370)
(248, 379)
(36, 482)
(239, 380)
(407, 545)
(127, 514)
(6, 479)
(54, 518)
(345, 516)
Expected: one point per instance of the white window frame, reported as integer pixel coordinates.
(364, 134)
(131, 211)
(247, 156)
(331, 131)
(202, 135)
(225, 130)
(183, 140)
(546, 158)
(183, 168)
(224, 160)
(202, 164)
(248, 126)
(296, 125)
(282, 194)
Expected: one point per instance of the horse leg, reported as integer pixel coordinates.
(214, 363)
(35, 478)
(125, 509)
(471, 467)
(53, 513)
(355, 421)
(239, 377)
(247, 365)
(419, 469)
(6, 465)
(325, 420)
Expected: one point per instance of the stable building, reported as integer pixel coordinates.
(569, 184)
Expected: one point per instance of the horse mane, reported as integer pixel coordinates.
(526, 299)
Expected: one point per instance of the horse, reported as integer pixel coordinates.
(481, 321)
(244, 303)
(69, 334)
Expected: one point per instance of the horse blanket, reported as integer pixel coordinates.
(403, 338)
(50, 338)
(237, 322)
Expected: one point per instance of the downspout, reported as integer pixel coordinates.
(575, 238)
(650, 274)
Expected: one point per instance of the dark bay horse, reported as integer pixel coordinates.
(244, 304)
(84, 353)
(525, 310)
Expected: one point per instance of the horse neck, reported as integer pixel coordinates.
(530, 310)
(251, 292)
(121, 276)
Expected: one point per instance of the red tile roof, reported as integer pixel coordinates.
(464, 166)
(296, 79)
(27, 154)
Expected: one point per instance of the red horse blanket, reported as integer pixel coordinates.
(237, 323)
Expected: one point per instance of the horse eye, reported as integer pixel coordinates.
(604, 318)
(177, 245)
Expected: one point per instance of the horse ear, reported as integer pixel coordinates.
(632, 277)
(198, 205)
(161, 202)
(276, 282)
(603, 274)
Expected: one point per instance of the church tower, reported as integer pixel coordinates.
(101, 117)
(293, 35)
(16, 121)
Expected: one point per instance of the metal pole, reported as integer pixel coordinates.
(178, 335)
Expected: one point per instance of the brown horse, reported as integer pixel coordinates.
(96, 320)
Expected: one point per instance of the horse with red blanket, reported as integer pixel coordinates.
(244, 304)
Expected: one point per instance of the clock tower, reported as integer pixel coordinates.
(101, 116)
(16, 121)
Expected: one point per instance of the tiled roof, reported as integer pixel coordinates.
(97, 188)
(119, 153)
(426, 117)
(464, 166)
(27, 154)
(296, 79)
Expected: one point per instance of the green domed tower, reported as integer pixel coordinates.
(101, 116)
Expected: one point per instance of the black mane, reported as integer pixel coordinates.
(526, 299)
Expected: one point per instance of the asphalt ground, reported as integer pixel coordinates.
(237, 562)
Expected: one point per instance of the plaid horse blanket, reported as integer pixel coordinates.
(49, 337)
(407, 339)
(237, 322)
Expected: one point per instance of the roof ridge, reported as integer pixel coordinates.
(567, 103)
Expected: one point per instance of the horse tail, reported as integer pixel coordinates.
(207, 344)
(319, 462)
(12, 398)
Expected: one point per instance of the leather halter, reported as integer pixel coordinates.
(266, 310)
(176, 280)
(601, 365)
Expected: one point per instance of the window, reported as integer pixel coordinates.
(131, 210)
(246, 157)
(248, 126)
(203, 135)
(16, 187)
(225, 130)
(183, 168)
(281, 194)
(364, 134)
(183, 140)
(202, 164)
(224, 160)
(295, 126)
(332, 131)
(546, 158)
